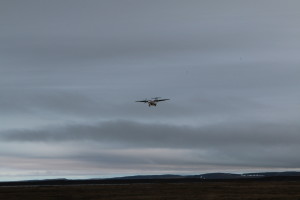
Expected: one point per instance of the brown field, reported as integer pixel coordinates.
(275, 190)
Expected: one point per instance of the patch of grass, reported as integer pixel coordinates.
(251, 190)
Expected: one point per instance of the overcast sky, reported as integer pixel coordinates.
(71, 71)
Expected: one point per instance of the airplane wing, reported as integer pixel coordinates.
(145, 101)
(157, 100)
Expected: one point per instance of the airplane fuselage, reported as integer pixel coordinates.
(152, 103)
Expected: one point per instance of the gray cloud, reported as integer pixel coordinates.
(240, 144)
(164, 135)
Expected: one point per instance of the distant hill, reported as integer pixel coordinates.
(214, 176)
(166, 178)
(218, 176)
(269, 174)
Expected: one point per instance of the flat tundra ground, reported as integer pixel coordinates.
(252, 190)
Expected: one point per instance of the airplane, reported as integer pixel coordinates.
(153, 101)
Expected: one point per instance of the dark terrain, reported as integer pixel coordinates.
(266, 187)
